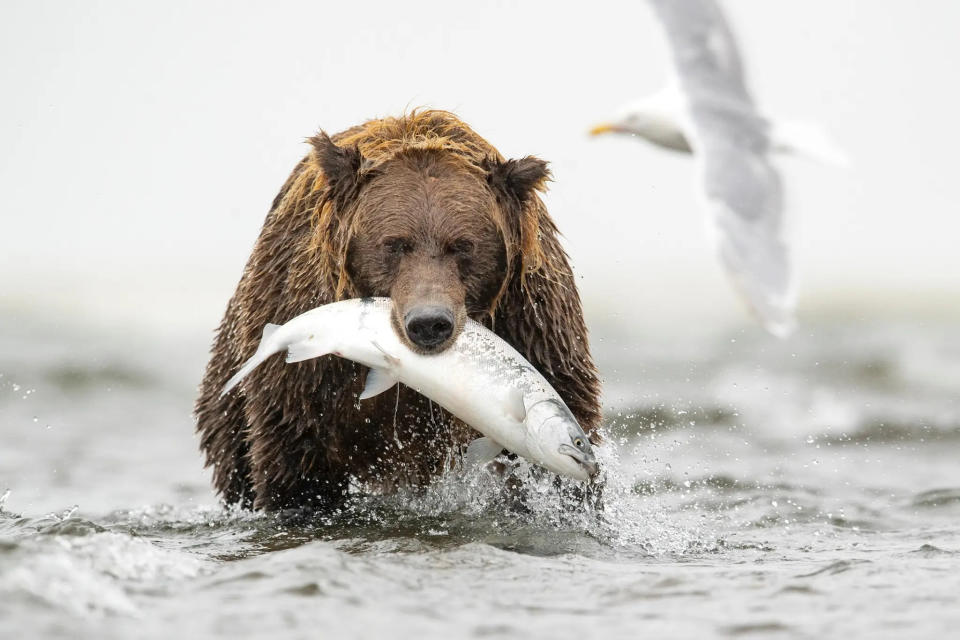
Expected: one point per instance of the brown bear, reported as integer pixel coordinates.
(423, 210)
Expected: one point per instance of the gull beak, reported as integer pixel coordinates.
(602, 128)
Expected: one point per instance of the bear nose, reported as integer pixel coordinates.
(429, 327)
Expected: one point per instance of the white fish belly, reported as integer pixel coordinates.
(480, 379)
(471, 388)
(455, 384)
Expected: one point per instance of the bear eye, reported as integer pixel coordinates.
(461, 247)
(398, 245)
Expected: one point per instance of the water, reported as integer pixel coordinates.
(797, 489)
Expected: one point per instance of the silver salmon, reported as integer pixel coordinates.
(480, 379)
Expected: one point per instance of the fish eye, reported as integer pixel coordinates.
(578, 443)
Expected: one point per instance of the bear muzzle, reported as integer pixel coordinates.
(429, 326)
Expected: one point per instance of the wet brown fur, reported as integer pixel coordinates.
(350, 221)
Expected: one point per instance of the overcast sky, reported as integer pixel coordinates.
(141, 143)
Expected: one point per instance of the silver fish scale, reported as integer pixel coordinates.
(478, 347)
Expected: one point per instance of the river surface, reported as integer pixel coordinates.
(806, 488)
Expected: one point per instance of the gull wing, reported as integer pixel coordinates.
(705, 54)
(742, 189)
(744, 197)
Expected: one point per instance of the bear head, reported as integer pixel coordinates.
(437, 231)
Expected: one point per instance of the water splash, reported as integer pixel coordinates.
(518, 506)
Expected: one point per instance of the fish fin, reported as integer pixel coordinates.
(265, 349)
(378, 381)
(391, 361)
(480, 452)
(306, 349)
(247, 367)
(515, 407)
(268, 330)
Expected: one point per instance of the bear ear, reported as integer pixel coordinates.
(517, 179)
(341, 165)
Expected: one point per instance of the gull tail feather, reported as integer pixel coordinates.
(808, 140)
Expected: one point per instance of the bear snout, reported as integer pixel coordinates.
(428, 302)
(429, 326)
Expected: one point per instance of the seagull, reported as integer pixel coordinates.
(707, 110)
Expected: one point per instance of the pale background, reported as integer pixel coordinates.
(142, 143)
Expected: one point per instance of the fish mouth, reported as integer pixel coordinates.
(584, 459)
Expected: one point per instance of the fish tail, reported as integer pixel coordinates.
(265, 349)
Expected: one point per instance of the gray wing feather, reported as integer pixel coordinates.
(745, 201)
(704, 50)
(730, 138)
